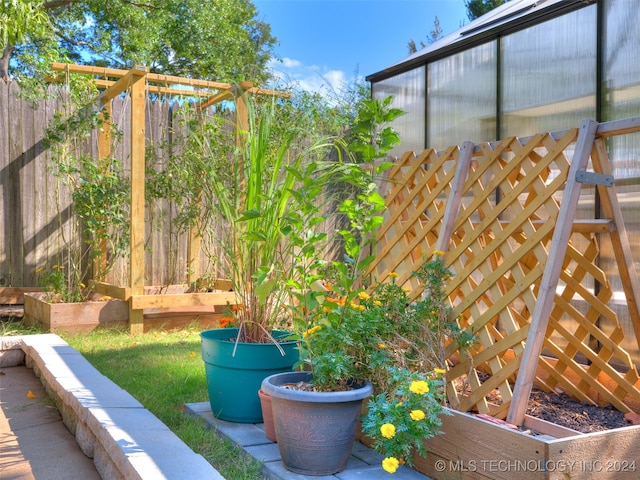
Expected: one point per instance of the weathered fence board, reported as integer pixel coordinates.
(36, 213)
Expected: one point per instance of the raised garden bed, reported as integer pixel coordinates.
(105, 311)
(481, 447)
(79, 316)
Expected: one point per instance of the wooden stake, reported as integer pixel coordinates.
(551, 275)
(455, 197)
(619, 238)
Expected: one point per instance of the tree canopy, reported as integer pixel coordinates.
(477, 8)
(219, 40)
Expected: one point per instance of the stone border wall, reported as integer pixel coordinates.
(124, 439)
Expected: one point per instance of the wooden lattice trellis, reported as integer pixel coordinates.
(505, 214)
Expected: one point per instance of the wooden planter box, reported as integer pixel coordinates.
(474, 448)
(80, 316)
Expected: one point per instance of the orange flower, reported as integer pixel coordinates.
(224, 321)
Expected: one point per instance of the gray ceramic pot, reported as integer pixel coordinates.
(315, 430)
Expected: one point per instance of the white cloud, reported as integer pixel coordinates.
(308, 77)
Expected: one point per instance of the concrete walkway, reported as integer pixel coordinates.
(34, 443)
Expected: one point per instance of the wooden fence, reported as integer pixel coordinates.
(36, 214)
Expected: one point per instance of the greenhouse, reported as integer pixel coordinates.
(529, 67)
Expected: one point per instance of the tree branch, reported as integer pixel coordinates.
(4, 62)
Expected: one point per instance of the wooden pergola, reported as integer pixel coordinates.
(138, 82)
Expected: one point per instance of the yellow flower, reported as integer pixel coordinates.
(355, 306)
(311, 331)
(388, 430)
(364, 296)
(39, 269)
(438, 253)
(390, 464)
(382, 345)
(420, 387)
(377, 303)
(192, 354)
(440, 371)
(394, 274)
(30, 394)
(417, 415)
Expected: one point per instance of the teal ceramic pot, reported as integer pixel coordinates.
(235, 372)
(315, 430)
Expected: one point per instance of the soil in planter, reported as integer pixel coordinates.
(563, 410)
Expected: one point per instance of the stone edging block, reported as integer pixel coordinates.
(125, 440)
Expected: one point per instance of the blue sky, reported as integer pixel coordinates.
(329, 41)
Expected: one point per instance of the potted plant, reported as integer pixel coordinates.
(360, 336)
(273, 186)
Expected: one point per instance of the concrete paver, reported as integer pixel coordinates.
(34, 443)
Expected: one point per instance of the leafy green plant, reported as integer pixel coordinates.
(99, 198)
(408, 413)
(255, 199)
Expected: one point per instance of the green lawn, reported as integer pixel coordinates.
(162, 370)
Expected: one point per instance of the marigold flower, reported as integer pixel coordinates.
(438, 253)
(39, 269)
(388, 430)
(394, 274)
(417, 415)
(224, 321)
(440, 371)
(364, 296)
(382, 345)
(419, 386)
(390, 464)
(311, 331)
(377, 303)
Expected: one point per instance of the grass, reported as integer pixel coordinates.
(163, 371)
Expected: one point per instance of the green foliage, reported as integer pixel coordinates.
(477, 8)
(100, 199)
(254, 196)
(331, 322)
(403, 417)
(22, 19)
(220, 40)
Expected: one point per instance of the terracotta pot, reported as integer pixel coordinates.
(267, 416)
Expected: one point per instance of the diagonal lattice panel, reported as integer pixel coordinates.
(504, 270)
(418, 190)
(499, 240)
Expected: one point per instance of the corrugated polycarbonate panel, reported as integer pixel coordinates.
(462, 97)
(621, 78)
(408, 91)
(549, 74)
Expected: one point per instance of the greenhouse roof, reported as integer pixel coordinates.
(511, 16)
